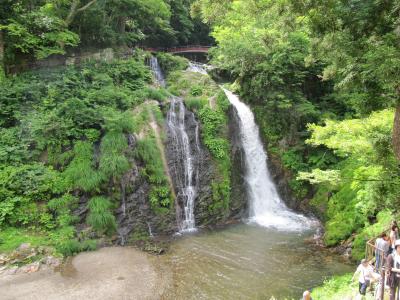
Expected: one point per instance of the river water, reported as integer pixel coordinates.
(247, 262)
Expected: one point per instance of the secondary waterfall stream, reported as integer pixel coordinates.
(185, 168)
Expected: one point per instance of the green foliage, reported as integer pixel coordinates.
(159, 94)
(335, 288)
(160, 194)
(100, 215)
(80, 172)
(72, 247)
(11, 238)
(113, 163)
(384, 219)
(170, 63)
(213, 123)
(63, 133)
(35, 30)
(196, 91)
(22, 189)
(363, 182)
(196, 103)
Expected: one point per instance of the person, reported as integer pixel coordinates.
(307, 295)
(394, 234)
(366, 275)
(381, 250)
(393, 270)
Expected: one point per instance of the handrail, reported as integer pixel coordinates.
(178, 48)
(372, 251)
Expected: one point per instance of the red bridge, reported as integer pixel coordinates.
(181, 49)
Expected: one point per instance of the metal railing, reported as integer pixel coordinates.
(187, 48)
(379, 255)
(372, 252)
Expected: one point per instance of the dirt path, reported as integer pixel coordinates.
(109, 273)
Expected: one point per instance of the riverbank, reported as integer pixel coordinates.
(109, 273)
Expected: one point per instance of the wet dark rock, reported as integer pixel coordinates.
(239, 203)
(135, 213)
(178, 158)
(208, 172)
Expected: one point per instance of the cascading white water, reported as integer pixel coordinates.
(188, 176)
(266, 207)
(197, 67)
(186, 168)
(155, 67)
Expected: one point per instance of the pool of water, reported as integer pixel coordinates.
(247, 262)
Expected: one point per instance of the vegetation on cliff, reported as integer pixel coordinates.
(64, 149)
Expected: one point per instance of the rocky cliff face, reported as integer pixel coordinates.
(207, 172)
(135, 216)
(281, 178)
(239, 203)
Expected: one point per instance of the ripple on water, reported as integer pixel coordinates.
(247, 262)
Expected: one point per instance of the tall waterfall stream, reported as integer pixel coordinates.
(266, 207)
(186, 166)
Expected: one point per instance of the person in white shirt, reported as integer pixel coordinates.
(366, 275)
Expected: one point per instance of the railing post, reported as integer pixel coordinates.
(382, 291)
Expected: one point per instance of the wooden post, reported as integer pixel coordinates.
(382, 291)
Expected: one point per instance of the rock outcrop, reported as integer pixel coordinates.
(135, 216)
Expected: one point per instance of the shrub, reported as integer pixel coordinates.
(156, 94)
(170, 63)
(100, 216)
(72, 247)
(196, 104)
(113, 162)
(160, 194)
(80, 172)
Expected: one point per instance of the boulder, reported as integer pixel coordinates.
(52, 261)
(4, 259)
(31, 268)
(23, 252)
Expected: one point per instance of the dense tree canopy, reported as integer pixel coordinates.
(45, 27)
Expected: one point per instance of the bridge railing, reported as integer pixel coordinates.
(201, 48)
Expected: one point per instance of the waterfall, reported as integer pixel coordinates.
(186, 166)
(186, 163)
(266, 208)
(197, 67)
(155, 67)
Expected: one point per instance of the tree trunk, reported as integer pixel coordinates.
(121, 25)
(72, 12)
(396, 132)
(76, 9)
